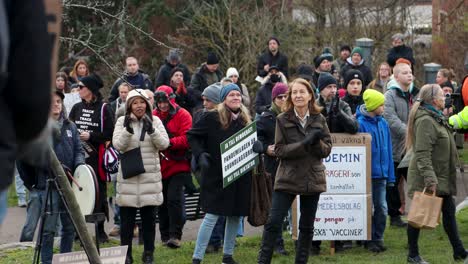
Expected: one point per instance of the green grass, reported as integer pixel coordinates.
(434, 247)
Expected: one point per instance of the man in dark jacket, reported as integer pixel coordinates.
(271, 57)
(134, 76)
(399, 50)
(322, 63)
(263, 99)
(356, 62)
(163, 76)
(207, 74)
(67, 147)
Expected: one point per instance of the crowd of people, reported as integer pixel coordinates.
(169, 128)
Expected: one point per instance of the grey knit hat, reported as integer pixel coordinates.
(212, 92)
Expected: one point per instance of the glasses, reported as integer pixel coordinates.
(282, 97)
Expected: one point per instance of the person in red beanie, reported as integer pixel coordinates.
(175, 165)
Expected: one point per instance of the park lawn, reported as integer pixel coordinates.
(434, 247)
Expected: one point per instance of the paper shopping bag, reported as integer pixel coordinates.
(425, 210)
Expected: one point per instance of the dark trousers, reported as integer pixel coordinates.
(450, 227)
(171, 212)
(281, 202)
(127, 223)
(393, 194)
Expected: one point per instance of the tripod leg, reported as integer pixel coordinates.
(45, 208)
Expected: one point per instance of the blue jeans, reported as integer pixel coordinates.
(56, 209)
(204, 234)
(379, 201)
(20, 189)
(36, 199)
(218, 232)
(3, 204)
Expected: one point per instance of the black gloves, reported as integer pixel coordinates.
(127, 124)
(148, 125)
(313, 136)
(204, 160)
(258, 147)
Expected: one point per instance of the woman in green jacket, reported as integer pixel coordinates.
(433, 164)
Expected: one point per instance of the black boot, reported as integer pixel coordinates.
(279, 248)
(303, 246)
(147, 257)
(266, 248)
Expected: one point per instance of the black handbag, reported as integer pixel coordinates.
(131, 161)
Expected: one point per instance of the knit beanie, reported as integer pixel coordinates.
(173, 55)
(232, 71)
(447, 84)
(373, 99)
(275, 39)
(132, 95)
(176, 69)
(227, 89)
(212, 58)
(351, 75)
(357, 50)
(93, 82)
(326, 55)
(279, 88)
(305, 71)
(325, 79)
(212, 92)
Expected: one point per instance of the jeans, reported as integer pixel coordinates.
(35, 204)
(56, 209)
(218, 232)
(148, 219)
(450, 227)
(393, 194)
(171, 213)
(20, 189)
(3, 204)
(116, 207)
(204, 233)
(379, 217)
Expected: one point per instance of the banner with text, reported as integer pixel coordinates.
(237, 156)
(344, 211)
(112, 255)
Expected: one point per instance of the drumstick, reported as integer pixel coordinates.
(74, 181)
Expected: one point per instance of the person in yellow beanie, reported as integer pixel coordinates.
(369, 117)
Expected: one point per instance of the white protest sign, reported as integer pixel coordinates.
(112, 255)
(344, 211)
(237, 156)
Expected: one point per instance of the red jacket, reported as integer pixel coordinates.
(174, 159)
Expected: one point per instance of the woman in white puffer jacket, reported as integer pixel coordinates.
(143, 191)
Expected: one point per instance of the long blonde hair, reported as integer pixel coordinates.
(426, 95)
(225, 117)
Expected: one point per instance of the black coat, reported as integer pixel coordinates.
(353, 101)
(263, 99)
(266, 134)
(163, 76)
(140, 80)
(280, 61)
(234, 200)
(400, 52)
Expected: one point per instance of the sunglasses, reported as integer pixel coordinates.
(281, 97)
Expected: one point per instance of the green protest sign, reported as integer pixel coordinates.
(237, 156)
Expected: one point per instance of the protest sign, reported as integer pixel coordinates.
(237, 156)
(112, 255)
(344, 211)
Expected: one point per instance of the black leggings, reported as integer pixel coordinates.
(450, 227)
(127, 223)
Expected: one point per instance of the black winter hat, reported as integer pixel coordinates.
(447, 84)
(325, 79)
(326, 55)
(351, 75)
(93, 82)
(212, 58)
(305, 71)
(275, 39)
(345, 47)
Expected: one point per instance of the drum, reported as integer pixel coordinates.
(86, 189)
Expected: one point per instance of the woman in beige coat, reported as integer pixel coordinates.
(139, 128)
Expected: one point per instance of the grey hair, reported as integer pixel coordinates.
(398, 36)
